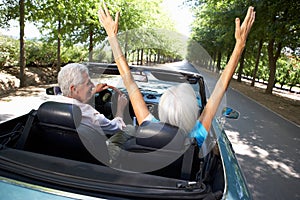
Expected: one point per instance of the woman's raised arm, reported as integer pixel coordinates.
(241, 33)
(111, 27)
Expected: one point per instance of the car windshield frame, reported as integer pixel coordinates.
(161, 74)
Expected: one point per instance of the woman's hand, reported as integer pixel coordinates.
(122, 103)
(242, 31)
(110, 26)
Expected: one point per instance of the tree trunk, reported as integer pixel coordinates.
(22, 44)
(58, 46)
(126, 46)
(228, 57)
(91, 47)
(256, 62)
(219, 57)
(272, 64)
(241, 67)
(148, 56)
(211, 64)
(138, 56)
(142, 56)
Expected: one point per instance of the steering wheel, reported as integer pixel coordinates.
(128, 111)
(106, 103)
(103, 103)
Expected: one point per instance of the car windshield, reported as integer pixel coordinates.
(152, 83)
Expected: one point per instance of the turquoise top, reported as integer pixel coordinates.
(198, 132)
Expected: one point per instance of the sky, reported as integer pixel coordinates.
(180, 14)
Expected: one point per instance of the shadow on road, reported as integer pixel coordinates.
(268, 159)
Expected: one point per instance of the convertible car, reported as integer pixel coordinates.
(49, 154)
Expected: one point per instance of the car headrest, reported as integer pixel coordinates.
(158, 135)
(60, 114)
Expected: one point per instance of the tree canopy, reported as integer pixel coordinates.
(271, 54)
(73, 22)
(276, 29)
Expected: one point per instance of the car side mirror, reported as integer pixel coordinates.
(230, 113)
(55, 90)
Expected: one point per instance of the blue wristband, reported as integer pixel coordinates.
(199, 133)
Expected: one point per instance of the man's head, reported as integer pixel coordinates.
(74, 81)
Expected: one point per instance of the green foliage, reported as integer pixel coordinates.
(37, 53)
(40, 54)
(74, 54)
(288, 72)
(294, 71)
(67, 23)
(282, 72)
(79, 20)
(8, 10)
(9, 51)
(276, 24)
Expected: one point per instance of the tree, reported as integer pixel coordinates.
(57, 18)
(69, 22)
(136, 15)
(283, 31)
(10, 10)
(260, 45)
(276, 25)
(22, 43)
(213, 27)
(76, 21)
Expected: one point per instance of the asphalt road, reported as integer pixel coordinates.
(267, 146)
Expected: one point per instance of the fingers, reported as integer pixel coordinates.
(110, 26)
(252, 18)
(242, 31)
(117, 17)
(122, 96)
(249, 19)
(100, 87)
(100, 15)
(106, 10)
(103, 14)
(105, 87)
(249, 14)
(237, 26)
(123, 99)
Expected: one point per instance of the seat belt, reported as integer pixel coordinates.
(187, 162)
(22, 140)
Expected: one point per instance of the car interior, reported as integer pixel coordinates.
(48, 147)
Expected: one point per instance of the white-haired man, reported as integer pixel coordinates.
(77, 88)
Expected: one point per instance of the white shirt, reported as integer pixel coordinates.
(91, 117)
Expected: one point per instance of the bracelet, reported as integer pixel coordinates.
(132, 88)
(127, 76)
(115, 47)
(128, 81)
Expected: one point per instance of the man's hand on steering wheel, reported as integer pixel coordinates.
(100, 87)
